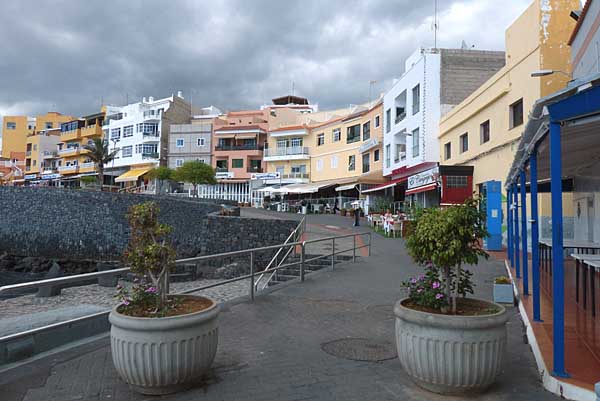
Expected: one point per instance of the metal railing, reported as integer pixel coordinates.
(287, 151)
(251, 276)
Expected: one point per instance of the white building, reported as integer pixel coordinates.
(140, 132)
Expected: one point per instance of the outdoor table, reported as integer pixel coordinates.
(545, 245)
(588, 263)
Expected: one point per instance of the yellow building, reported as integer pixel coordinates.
(74, 135)
(484, 129)
(345, 148)
(40, 151)
(16, 129)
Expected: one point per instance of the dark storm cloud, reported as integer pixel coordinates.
(70, 55)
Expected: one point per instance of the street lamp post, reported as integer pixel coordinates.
(114, 141)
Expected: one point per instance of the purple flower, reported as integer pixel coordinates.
(125, 302)
(413, 280)
(421, 277)
(439, 296)
(151, 290)
(435, 285)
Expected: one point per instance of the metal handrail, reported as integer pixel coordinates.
(296, 234)
(251, 275)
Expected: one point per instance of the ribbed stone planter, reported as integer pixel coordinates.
(450, 354)
(164, 355)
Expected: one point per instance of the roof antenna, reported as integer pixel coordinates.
(293, 87)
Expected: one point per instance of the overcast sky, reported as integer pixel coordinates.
(69, 55)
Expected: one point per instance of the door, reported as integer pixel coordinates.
(591, 215)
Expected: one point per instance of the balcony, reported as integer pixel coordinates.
(91, 131)
(28, 153)
(400, 117)
(69, 152)
(254, 170)
(287, 153)
(238, 147)
(67, 169)
(87, 167)
(150, 155)
(295, 176)
(221, 170)
(70, 135)
(49, 155)
(150, 136)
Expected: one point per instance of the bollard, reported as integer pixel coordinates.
(370, 239)
(332, 253)
(302, 261)
(252, 276)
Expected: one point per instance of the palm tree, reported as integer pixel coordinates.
(100, 154)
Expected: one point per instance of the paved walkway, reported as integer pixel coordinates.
(271, 349)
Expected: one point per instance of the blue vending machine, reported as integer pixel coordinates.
(492, 201)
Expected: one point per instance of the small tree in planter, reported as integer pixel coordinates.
(443, 240)
(148, 317)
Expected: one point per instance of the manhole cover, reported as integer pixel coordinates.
(360, 349)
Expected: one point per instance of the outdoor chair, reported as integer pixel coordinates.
(396, 227)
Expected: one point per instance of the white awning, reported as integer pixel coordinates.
(266, 189)
(346, 187)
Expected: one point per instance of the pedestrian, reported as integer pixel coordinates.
(357, 216)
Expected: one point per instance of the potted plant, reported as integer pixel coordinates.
(448, 343)
(160, 343)
(343, 212)
(503, 290)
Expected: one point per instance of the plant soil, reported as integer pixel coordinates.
(177, 305)
(464, 307)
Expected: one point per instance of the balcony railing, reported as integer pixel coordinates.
(88, 165)
(64, 169)
(28, 153)
(150, 134)
(400, 117)
(287, 151)
(49, 155)
(150, 155)
(304, 176)
(254, 170)
(238, 147)
(222, 170)
(67, 150)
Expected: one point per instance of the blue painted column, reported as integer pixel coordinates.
(516, 210)
(558, 274)
(524, 252)
(535, 236)
(509, 226)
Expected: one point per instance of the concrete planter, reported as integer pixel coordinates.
(503, 293)
(450, 354)
(164, 355)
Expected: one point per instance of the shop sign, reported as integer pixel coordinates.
(265, 176)
(423, 178)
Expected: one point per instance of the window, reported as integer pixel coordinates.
(128, 131)
(366, 167)
(376, 155)
(49, 125)
(464, 142)
(147, 128)
(147, 149)
(351, 163)
(388, 154)
(337, 135)
(388, 120)
(35, 146)
(296, 142)
(11, 125)
(299, 169)
(334, 161)
(484, 132)
(127, 151)
(456, 181)
(115, 133)
(366, 130)
(320, 139)
(279, 170)
(516, 113)
(179, 142)
(377, 122)
(415, 143)
(255, 165)
(237, 163)
(282, 143)
(447, 151)
(200, 142)
(221, 165)
(353, 134)
(178, 162)
(320, 165)
(416, 99)
(34, 162)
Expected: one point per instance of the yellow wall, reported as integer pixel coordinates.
(14, 140)
(528, 49)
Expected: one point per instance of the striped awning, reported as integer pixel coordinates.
(132, 175)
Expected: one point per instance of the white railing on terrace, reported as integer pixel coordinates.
(88, 164)
(67, 150)
(287, 151)
(67, 168)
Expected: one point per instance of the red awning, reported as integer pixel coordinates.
(424, 188)
(385, 185)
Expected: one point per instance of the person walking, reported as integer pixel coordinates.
(357, 216)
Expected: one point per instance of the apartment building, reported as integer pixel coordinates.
(434, 81)
(16, 134)
(40, 154)
(483, 130)
(140, 132)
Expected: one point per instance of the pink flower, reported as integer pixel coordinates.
(436, 285)
(125, 302)
(420, 290)
(439, 296)
(413, 280)
(151, 290)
